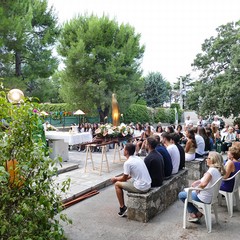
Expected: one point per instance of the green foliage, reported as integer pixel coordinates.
(138, 113)
(179, 110)
(56, 107)
(30, 204)
(165, 115)
(219, 81)
(28, 32)
(101, 58)
(156, 90)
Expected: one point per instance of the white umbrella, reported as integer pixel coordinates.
(79, 112)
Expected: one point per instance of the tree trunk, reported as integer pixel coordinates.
(18, 64)
(103, 114)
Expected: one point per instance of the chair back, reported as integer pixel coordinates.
(236, 176)
(216, 187)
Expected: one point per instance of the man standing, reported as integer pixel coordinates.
(135, 169)
(172, 150)
(154, 163)
(188, 121)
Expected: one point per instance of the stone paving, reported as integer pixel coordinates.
(82, 182)
(96, 217)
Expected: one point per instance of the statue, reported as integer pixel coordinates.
(115, 111)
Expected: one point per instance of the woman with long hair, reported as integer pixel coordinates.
(191, 145)
(214, 172)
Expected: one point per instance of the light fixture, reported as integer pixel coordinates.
(15, 96)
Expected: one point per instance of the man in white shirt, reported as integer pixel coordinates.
(135, 169)
(172, 150)
(201, 122)
(188, 121)
(199, 152)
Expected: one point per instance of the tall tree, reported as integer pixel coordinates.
(219, 66)
(101, 57)
(156, 90)
(28, 32)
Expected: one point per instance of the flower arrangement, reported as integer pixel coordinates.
(107, 130)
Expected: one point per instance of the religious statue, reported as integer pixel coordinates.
(115, 111)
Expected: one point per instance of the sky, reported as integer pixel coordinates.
(171, 30)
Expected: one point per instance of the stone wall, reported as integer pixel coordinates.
(143, 207)
(196, 169)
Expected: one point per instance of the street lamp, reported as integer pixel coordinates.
(15, 96)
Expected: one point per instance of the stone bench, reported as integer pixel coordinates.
(196, 168)
(144, 206)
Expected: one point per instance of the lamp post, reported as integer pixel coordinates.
(15, 96)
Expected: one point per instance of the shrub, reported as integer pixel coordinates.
(30, 203)
(138, 113)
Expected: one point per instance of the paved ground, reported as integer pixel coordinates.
(96, 217)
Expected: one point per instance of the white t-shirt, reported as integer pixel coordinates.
(200, 144)
(206, 196)
(187, 122)
(137, 133)
(175, 156)
(217, 123)
(136, 168)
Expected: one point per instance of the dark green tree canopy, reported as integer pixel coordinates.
(156, 90)
(101, 57)
(28, 32)
(217, 90)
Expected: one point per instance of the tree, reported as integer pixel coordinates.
(101, 57)
(156, 90)
(28, 32)
(219, 80)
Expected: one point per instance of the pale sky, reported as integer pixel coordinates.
(171, 30)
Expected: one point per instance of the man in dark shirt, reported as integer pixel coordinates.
(166, 157)
(154, 163)
(176, 140)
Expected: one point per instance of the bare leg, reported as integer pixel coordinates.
(119, 192)
(138, 146)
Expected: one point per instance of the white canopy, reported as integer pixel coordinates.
(79, 112)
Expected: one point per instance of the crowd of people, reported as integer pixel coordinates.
(167, 148)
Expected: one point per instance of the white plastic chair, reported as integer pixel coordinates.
(205, 206)
(229, 195)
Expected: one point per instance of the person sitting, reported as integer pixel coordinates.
(181, 135)
(159, 130)
(202, 132)
(172, 150)
(215, 171)
(228, 140)
(176, 139)
(140, 146)
(154, 163)
(199, 152)
(191, 145)
(232, 166)
(135, 169)
(166, 157)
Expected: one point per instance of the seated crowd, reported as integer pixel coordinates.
(166, 151)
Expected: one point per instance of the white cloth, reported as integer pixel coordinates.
(175, 156)
(206, 196)
(70, 138)
(200, 144)
(136, 168)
